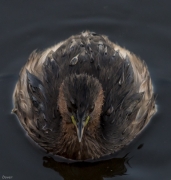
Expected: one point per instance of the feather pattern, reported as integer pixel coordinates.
(95, 70)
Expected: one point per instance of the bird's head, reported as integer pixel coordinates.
(80, 101)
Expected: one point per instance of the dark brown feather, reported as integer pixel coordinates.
(90, 74)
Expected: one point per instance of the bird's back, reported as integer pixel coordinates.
(128, 94)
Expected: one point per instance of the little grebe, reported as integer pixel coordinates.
(84, 98)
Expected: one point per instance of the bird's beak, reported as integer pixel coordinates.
(80, 127)
(80, 130)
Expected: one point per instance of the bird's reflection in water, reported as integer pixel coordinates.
(88, 170)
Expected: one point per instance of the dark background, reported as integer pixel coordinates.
(143, 27)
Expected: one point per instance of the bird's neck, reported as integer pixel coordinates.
(68, 144)
(90, 147)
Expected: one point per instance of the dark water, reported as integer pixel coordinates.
(143, 27)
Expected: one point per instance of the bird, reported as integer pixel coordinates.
(84, 98)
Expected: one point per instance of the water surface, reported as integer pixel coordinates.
(142, 27)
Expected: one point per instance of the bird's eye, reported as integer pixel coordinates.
(73, 104)
(69, 109)
(91, 108)
(72, 101)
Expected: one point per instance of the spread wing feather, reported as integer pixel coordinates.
(129, 100)
(36, 106)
